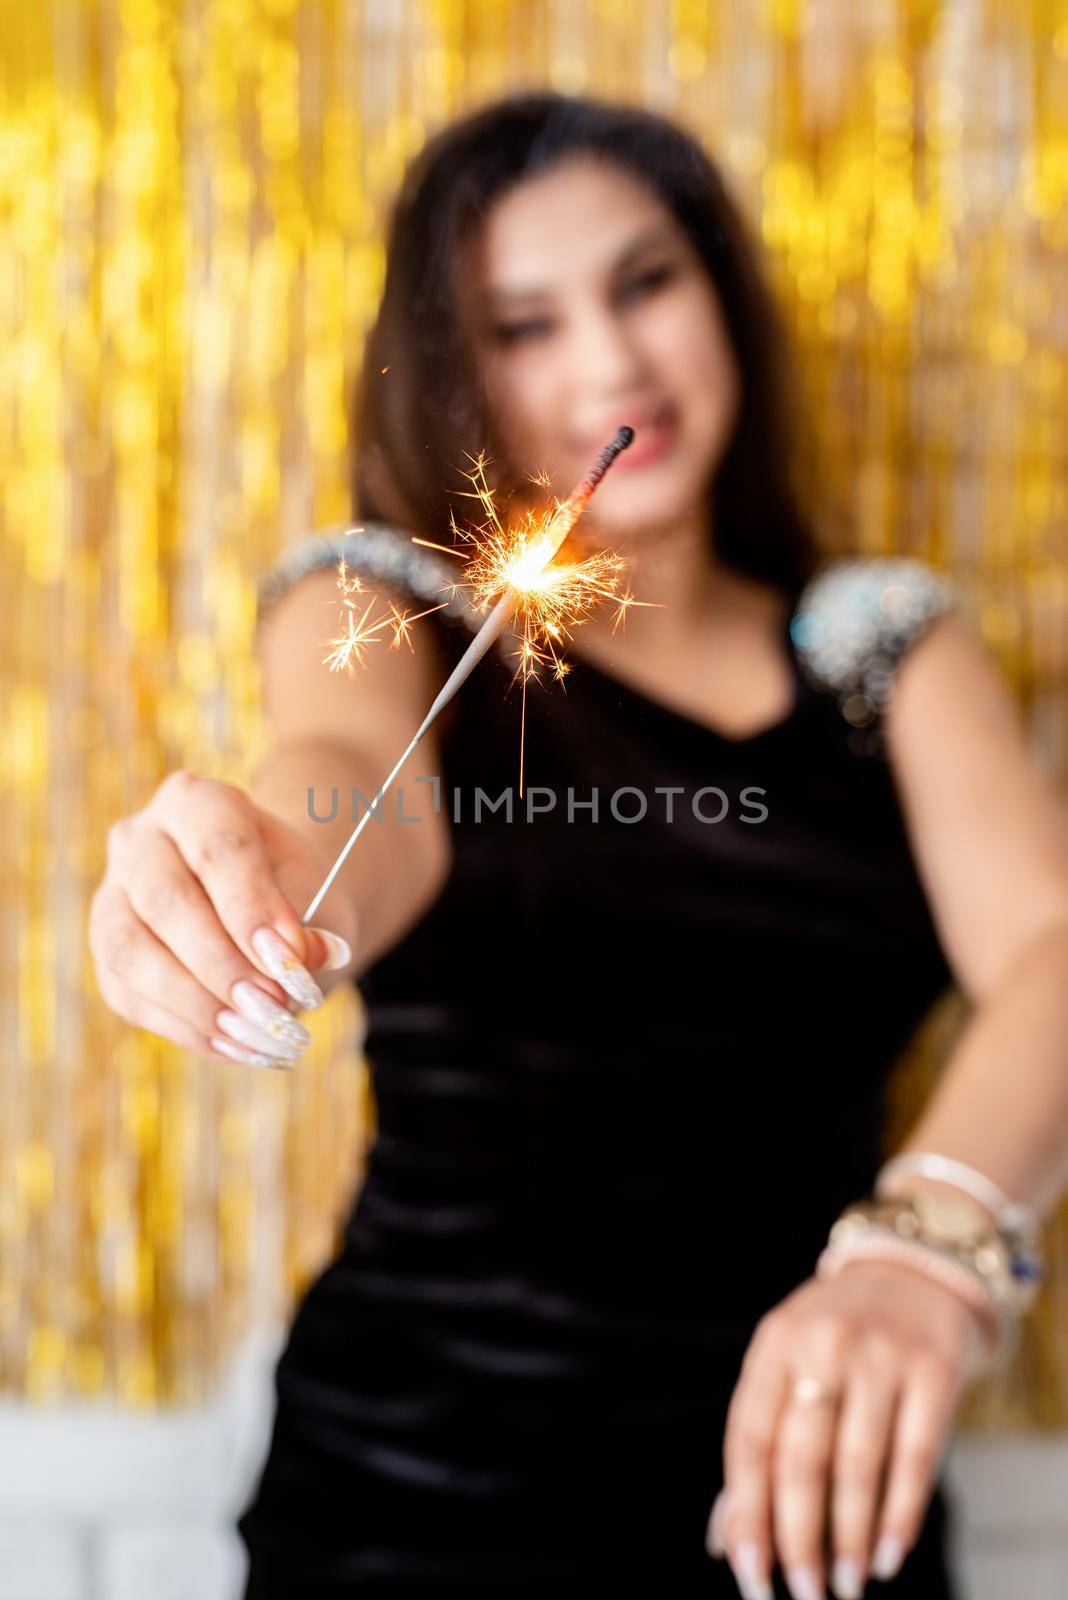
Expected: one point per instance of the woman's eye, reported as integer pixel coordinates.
(513, 332)
(533, 328)
(649, 280)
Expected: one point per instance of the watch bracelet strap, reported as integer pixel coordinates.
(880, 1243)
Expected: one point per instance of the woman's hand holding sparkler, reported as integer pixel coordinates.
(197, 904)
(193, 929)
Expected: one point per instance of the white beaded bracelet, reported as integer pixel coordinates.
(1011, 1215)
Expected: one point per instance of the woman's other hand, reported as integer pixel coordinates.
(193, 930)
(838, 1490)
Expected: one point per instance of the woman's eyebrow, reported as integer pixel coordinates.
(501, 295)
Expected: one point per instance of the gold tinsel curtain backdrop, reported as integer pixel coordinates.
(192, 196)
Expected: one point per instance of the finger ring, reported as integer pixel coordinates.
(811, 1392)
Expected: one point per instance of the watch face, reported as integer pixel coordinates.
(945, 1216)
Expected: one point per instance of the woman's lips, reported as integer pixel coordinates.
(652, 441)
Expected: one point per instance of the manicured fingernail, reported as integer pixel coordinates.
(244, 1032)
(714, 1533)
(889, 1554)
(282, 964)
(250, 1057)
(846, 1579)
(249, 999)
(339, 951)
(804, 1583)
(749, 1570)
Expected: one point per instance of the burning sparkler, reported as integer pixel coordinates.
(516, 567)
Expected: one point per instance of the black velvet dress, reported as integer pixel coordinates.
(627, 1070)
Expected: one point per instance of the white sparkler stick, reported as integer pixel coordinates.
(458, 676)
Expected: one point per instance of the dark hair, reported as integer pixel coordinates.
(418, 424)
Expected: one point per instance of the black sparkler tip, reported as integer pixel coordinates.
(622, 439)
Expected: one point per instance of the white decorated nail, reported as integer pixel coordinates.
(748, 1567)
(244, 1032)
(804, 1583)
(714, 1532)
(282, 964)
(250, 1057)
(847, 1582)
(889, 1554)
(274, 1020)
(339, 951)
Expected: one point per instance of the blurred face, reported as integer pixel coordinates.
(589, 308)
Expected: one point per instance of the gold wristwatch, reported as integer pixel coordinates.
(956, 1226)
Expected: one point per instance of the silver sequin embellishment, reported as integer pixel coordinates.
(378, 552)
(856, 619)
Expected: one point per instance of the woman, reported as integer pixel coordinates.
(629, 1028)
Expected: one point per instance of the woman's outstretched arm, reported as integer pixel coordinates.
(340, 732)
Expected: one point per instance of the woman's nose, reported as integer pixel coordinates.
(607, 353)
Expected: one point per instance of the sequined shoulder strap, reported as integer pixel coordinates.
(855, 621)
(377, 552)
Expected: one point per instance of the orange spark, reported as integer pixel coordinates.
(360, 633)
(449, 551)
